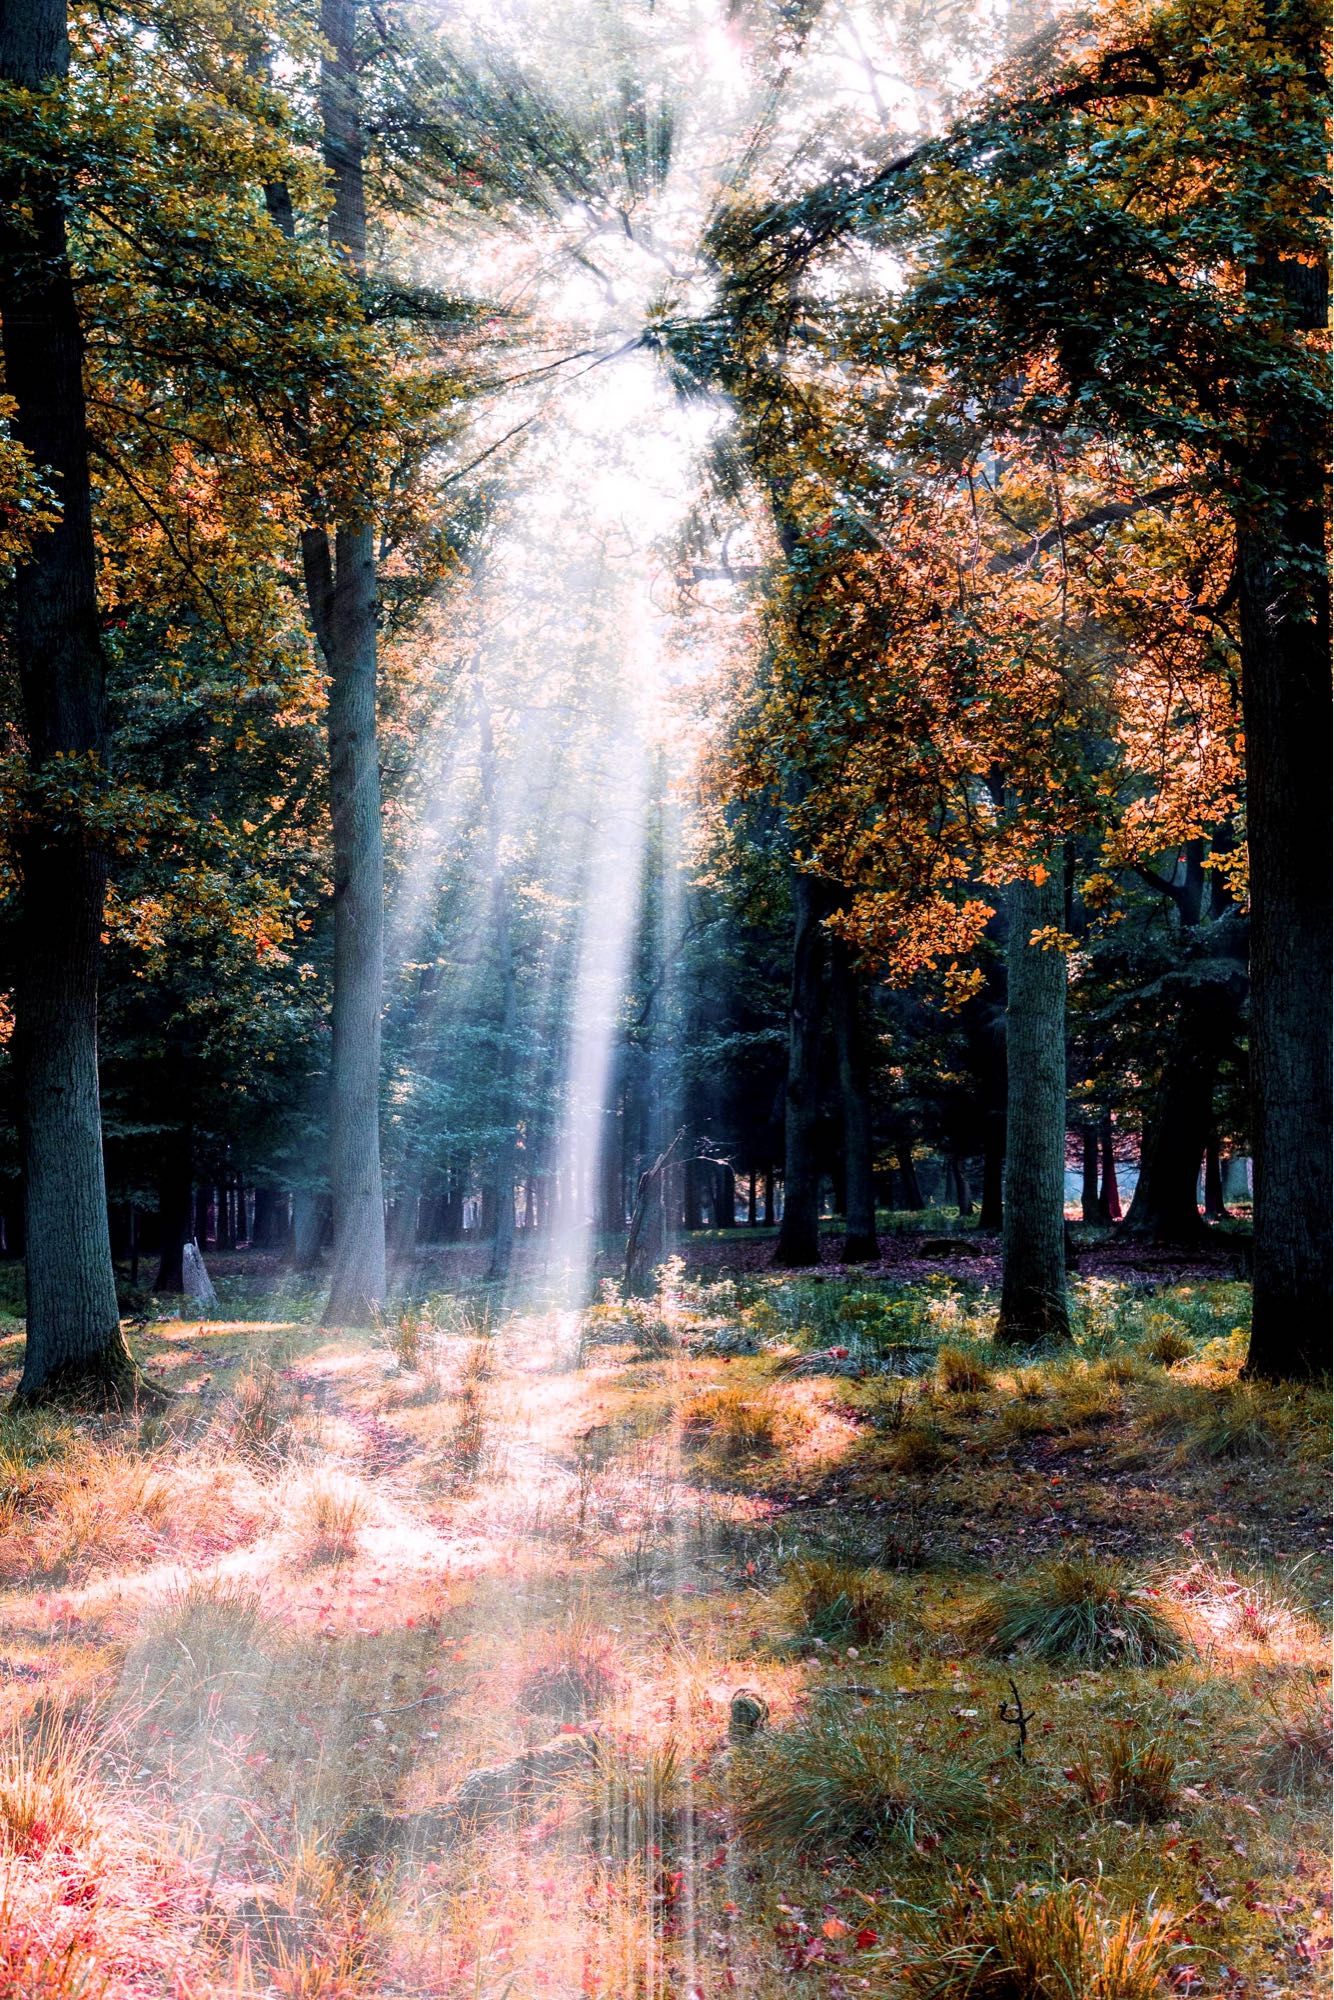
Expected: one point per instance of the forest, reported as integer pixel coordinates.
(665, 999)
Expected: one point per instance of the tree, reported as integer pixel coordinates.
(74, 1339)
(339, 564)
(1128, 246)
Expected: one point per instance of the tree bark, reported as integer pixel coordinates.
(799, 1232)
(860, 1245)
(341, 588)
(74, 1341)
(1033, 1297)
(1283, 596)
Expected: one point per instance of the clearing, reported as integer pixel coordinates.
(407, 1665)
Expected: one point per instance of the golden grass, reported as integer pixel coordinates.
(357, 1612)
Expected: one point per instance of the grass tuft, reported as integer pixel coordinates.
(1129, 1775)
(196, 1638)
(961, 1372)
(1295, 1753)
(839, 1601)
(1034, 1944)
(570, 1672)
(1080, 1609)
(736, 1423)
(331, 1515)
(46, 1786)
(824, 1788)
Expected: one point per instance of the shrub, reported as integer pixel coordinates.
(830, 1786)
(1053, 1944)
(1080, 1609)
(838, 1601)
(1129, 1775)
(30, 1970)
(961, 1372)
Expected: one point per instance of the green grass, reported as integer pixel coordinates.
(1082, 1609)
(828, 1787)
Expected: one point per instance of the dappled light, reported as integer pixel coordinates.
(664, 1000)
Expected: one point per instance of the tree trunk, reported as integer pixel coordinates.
(752, 1202)
(991, 1214)
(909, 1186)
(340, 576)
(724, 1196)
(962, 1192)
(1214, 1205)
(1109, 1194)
(1283, 598)
(769, 1208)
(860, 1245)
(1088, 1194)
(799, 1233)
(1033, 1300)
(269, 1231)
(73, 1338)
(175, 1210)
(498, 1202)
(1166, 1204)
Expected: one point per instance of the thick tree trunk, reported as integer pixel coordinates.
(860, 1245)
(1285, 660)
(73, 1339)
(724, 1196)
(799, 1233)
(340, 573)
(769, 1205)
(1033, 1299)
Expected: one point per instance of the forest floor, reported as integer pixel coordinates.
(408, 1664)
